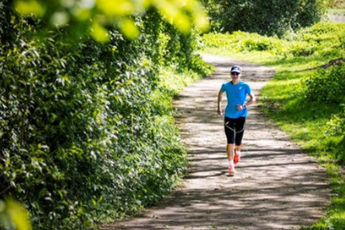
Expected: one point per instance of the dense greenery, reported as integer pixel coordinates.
(306, 96)
(84, 137)
(269, 17)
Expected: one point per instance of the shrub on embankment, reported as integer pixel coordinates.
(83, 139)
(323, 39)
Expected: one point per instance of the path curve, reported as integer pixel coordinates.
(276, 186)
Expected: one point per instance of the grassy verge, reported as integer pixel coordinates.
(284, 101)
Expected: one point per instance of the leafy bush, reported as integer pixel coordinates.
(327, 85)
(326, 39)
(82, 139)
(322, 38)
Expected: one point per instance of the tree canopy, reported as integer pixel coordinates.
(268, 17)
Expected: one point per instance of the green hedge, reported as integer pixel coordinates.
(82, 139)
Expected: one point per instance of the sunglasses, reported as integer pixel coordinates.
(234, 73)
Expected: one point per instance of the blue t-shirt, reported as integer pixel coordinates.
(236, 95)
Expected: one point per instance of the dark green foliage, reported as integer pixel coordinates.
(269, 17)
(81, 139)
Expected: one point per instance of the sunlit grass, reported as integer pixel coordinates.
(254, 57)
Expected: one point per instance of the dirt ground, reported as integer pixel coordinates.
(276, 185)
(337, 18)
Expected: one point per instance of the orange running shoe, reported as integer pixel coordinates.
(237, 157)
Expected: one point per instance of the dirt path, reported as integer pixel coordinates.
(276, 186)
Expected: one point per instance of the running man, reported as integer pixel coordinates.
(236, 112)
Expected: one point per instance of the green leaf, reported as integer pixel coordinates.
(17, 214)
